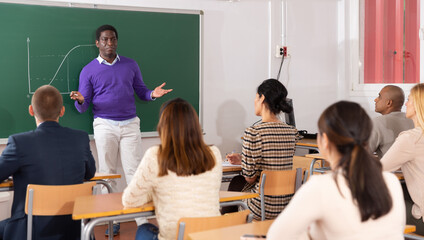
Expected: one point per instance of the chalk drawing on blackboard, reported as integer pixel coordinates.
(59, 70)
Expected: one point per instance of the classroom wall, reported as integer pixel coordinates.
(238, 52)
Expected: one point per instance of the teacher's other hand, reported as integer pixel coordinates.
(159, 92)
(75, 95)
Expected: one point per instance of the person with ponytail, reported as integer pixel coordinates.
(268, 145)
(356, 200)
(407, 153)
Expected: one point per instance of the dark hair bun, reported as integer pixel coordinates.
(286, 107)
(275, 96)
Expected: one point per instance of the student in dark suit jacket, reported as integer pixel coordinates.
(49, 155)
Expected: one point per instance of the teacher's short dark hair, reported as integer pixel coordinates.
(105, 28)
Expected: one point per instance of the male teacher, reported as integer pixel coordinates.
(109, 82)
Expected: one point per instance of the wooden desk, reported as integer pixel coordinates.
(318, 156)
(102, 176)
(108, 207)
(256, 228)
(306, 143)
(399, 175)
(234, 232)
(231, 169)
(6, 186)
(98, 177)
(410, 229)
(315, 155)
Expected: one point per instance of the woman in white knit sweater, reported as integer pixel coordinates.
(356, 200)
(182, 175)
(407, 153)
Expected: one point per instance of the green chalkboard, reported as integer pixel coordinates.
(50, 45)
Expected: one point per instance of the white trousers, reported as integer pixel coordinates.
(114, 142)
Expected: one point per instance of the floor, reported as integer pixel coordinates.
(127, 231)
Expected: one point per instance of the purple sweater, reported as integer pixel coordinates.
(111, 89)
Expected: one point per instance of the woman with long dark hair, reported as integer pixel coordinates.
(356, 200)
(182, 175)
(268, 145)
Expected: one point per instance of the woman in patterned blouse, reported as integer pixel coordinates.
(268, 145)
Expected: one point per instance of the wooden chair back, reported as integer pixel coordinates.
(276, 183)
(305, 163)
(198, 224)
(53, 200)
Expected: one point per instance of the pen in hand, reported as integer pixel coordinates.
(234, 158)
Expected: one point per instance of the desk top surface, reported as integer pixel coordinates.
(97, 176)
(399, 175)
(235, 168)
(410, 229)
(104, 205)
(233, 232)
(256, 228)
(102, 176)
(307, 142)
(315, 155)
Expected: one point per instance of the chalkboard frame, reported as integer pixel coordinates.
(132, 9)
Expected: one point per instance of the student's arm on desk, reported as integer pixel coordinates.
(402, 151)
(306, 207)
(9, 160)
(139, 191)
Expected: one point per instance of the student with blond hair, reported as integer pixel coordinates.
(407, 153)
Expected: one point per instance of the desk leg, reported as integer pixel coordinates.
(109, 189)
(240, 203)
(311, 168)
(83, 221)
(88, 228)
(110, 230)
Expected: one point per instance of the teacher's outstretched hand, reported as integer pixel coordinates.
(159, 92)
(75, 95)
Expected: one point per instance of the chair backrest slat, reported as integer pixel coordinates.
(304, 162)
(279, 182)
(192, 225)
(53, 200)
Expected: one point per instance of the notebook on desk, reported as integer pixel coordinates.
(228, 164)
